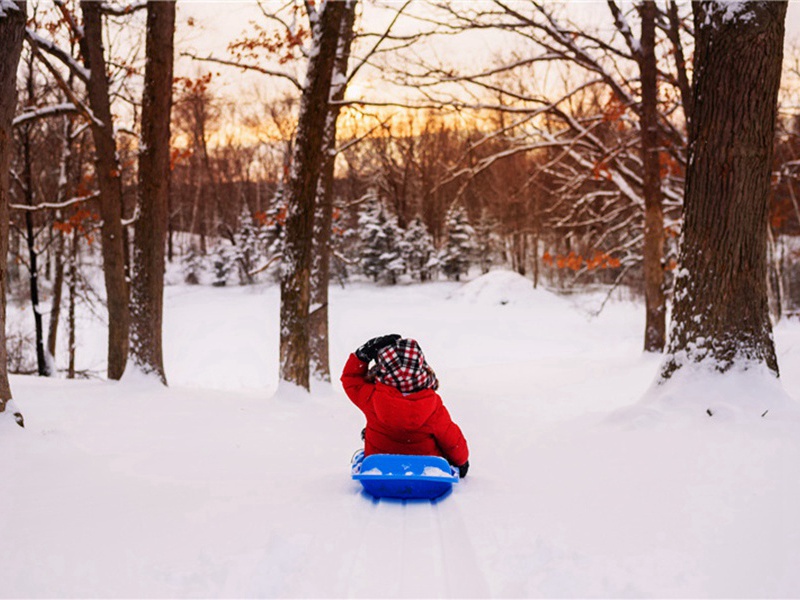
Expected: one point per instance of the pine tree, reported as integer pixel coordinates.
(192, 266)
(487, 242)
(456, 255)
(222, 261)
(420, 255)
(247, 246)
(272, 233)
(381, 244)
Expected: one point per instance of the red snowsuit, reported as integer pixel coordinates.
(416, 423)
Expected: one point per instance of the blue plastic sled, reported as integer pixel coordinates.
(403, 476)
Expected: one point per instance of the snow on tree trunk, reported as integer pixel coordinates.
(323, 222)
(721, 315)
(109, 180)
(12, 30)
(150, 230)
(301, 198)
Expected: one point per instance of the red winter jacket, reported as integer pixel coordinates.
(416, 423)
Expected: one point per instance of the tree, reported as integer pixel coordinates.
(150, 229)
(721, 315)
(109, 180)
(301, 195)
(419, 257)
(456, 255)
(12, 31)
(323, 219)
(382, 243)
(653, 245)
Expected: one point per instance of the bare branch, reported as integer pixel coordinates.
(244, 67)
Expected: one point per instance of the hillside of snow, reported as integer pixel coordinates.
(586, 480)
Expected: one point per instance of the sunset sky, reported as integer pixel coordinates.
(207, 27)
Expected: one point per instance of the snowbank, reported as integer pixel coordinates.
(503, 287)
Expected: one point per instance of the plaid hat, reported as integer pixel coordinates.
(403, 366)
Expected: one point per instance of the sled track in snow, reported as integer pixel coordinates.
(432, 555)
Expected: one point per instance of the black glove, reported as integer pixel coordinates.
(369, 350)
(462, 470)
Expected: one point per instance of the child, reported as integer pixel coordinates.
(398, 396)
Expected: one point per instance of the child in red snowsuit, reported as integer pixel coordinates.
(398, 396)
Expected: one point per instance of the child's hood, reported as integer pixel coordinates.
(409, 411)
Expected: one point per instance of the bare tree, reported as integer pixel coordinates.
(150, 229)
(721, 315)
(109, 179)
(323, 221)
(301, 195)
(655, 333)
(12, 31)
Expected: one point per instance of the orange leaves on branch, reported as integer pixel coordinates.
(574, 261)
(613, 112)
(667, 165)
(197, 85)
(281, 44)
(601, 171)
(179, 156)
(79, 223)
(265, 220)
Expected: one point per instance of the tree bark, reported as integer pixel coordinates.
(109, 181)
(721, 315)
(150, 229)
(323, 222)
(12, 30)
(301, 198)
(653, 252)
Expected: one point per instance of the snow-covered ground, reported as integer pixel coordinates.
(584, 481)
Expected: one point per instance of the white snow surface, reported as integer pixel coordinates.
(586, 479)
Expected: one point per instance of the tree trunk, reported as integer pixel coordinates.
(109, 181)
(72, 275)
(12, 30)
(150, 229)
(323, 221)
(42, 366)
(721, 315)
(301, 198)
(655, 302)
(58, 283)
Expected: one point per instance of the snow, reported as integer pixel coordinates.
(7, 6)
(435, 472)
(587, 479)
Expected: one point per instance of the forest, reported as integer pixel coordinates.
(585, 213)
(356, 150)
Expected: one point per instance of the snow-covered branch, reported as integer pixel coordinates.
(45, 112)
(56, 205)
(121, 10)
(63, 56)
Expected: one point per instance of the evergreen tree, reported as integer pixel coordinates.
(456, 255)
(273, 232)
(192, 267)
(222, 260)
(382, 244)
(420, 255)
(247, 246)
(487, 242)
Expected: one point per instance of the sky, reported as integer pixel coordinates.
(206, 27)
